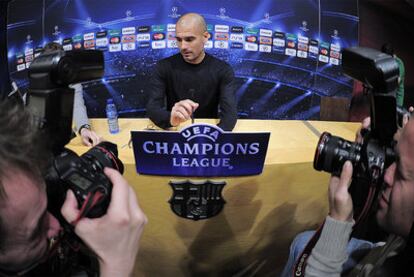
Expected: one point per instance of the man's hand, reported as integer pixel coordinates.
(340, 201)
(366, 123)
(115, 236)
(89, 137)
(182, 111)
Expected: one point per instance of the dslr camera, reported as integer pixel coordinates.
(50, 101)
(379, 73)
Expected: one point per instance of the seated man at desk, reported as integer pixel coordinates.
(192, 83)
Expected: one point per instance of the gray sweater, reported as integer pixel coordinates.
(329, 253)
(80, 116)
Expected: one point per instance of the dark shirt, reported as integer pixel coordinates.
(209, 83)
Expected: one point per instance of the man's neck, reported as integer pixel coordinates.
(199, 58)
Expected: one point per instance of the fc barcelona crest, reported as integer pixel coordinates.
(197, 200)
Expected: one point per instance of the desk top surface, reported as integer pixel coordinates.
(291, 141)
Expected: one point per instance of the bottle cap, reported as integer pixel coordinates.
(109, 101)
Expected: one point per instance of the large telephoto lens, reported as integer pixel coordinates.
(332, 152)
(105, 154)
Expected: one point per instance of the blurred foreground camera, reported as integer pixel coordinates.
(379, 72)
(51, 103)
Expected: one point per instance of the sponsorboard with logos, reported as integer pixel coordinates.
(284, 58)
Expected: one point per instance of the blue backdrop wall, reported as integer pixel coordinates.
(286, 54)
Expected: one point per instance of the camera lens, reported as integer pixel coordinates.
(105, 154)
(332, 152)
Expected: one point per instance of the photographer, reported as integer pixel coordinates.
(28, 229)
(334, 254)
(80, 116)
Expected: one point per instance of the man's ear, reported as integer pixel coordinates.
(206, 36)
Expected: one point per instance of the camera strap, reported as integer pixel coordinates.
(300, 265)
(90, 201)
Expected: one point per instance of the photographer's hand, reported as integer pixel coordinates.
(89, 137)
(115, 236)
(365, 125)
(340, 201)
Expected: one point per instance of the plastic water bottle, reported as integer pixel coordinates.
(112, 115)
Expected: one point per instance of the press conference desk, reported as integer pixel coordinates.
(262, 214)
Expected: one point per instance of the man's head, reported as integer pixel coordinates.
(396, 206)
(191, 33)
(25, 224)
(52, 46)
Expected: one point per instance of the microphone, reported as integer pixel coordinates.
(191, 92)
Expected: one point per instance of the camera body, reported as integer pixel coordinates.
(84, 176)
(379, 72)
(51, 104)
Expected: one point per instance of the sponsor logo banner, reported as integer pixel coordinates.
(158, 44)
(170, 27)
(88, 36)
(89, 44)
(143, 29)
(115, 47)
(237, 29)
(101, 34)
(248, 46)
(290, 52)
(77, 38)
(222, 28)
(237, 45)
(221, 36)
(128, 31)
(252, 31)
(158, 36)
(102, 42)
(172, 44)
(143, 37)
(265, 48)
(158, 28)
(334, 61)
(251, 39)
(265, 40)
(237, 37)
(208, 44)
(266, 32)
(77, 45)
(221, 44)
(143, 44)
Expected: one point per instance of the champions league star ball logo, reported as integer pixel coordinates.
(267, 18)
(222, 14)
(88, 21)
(304, 26)
(128, 14)
(174, 12)
(29, 39)
(56, 30)
(335, 34)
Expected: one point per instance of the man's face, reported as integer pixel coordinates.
(396, 203)
(190, 40)
(29, 225)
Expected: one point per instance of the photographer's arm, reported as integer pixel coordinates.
(115, 236)
(80, 117)
(329, 253)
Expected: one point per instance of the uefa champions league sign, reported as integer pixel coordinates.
(200, 150)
